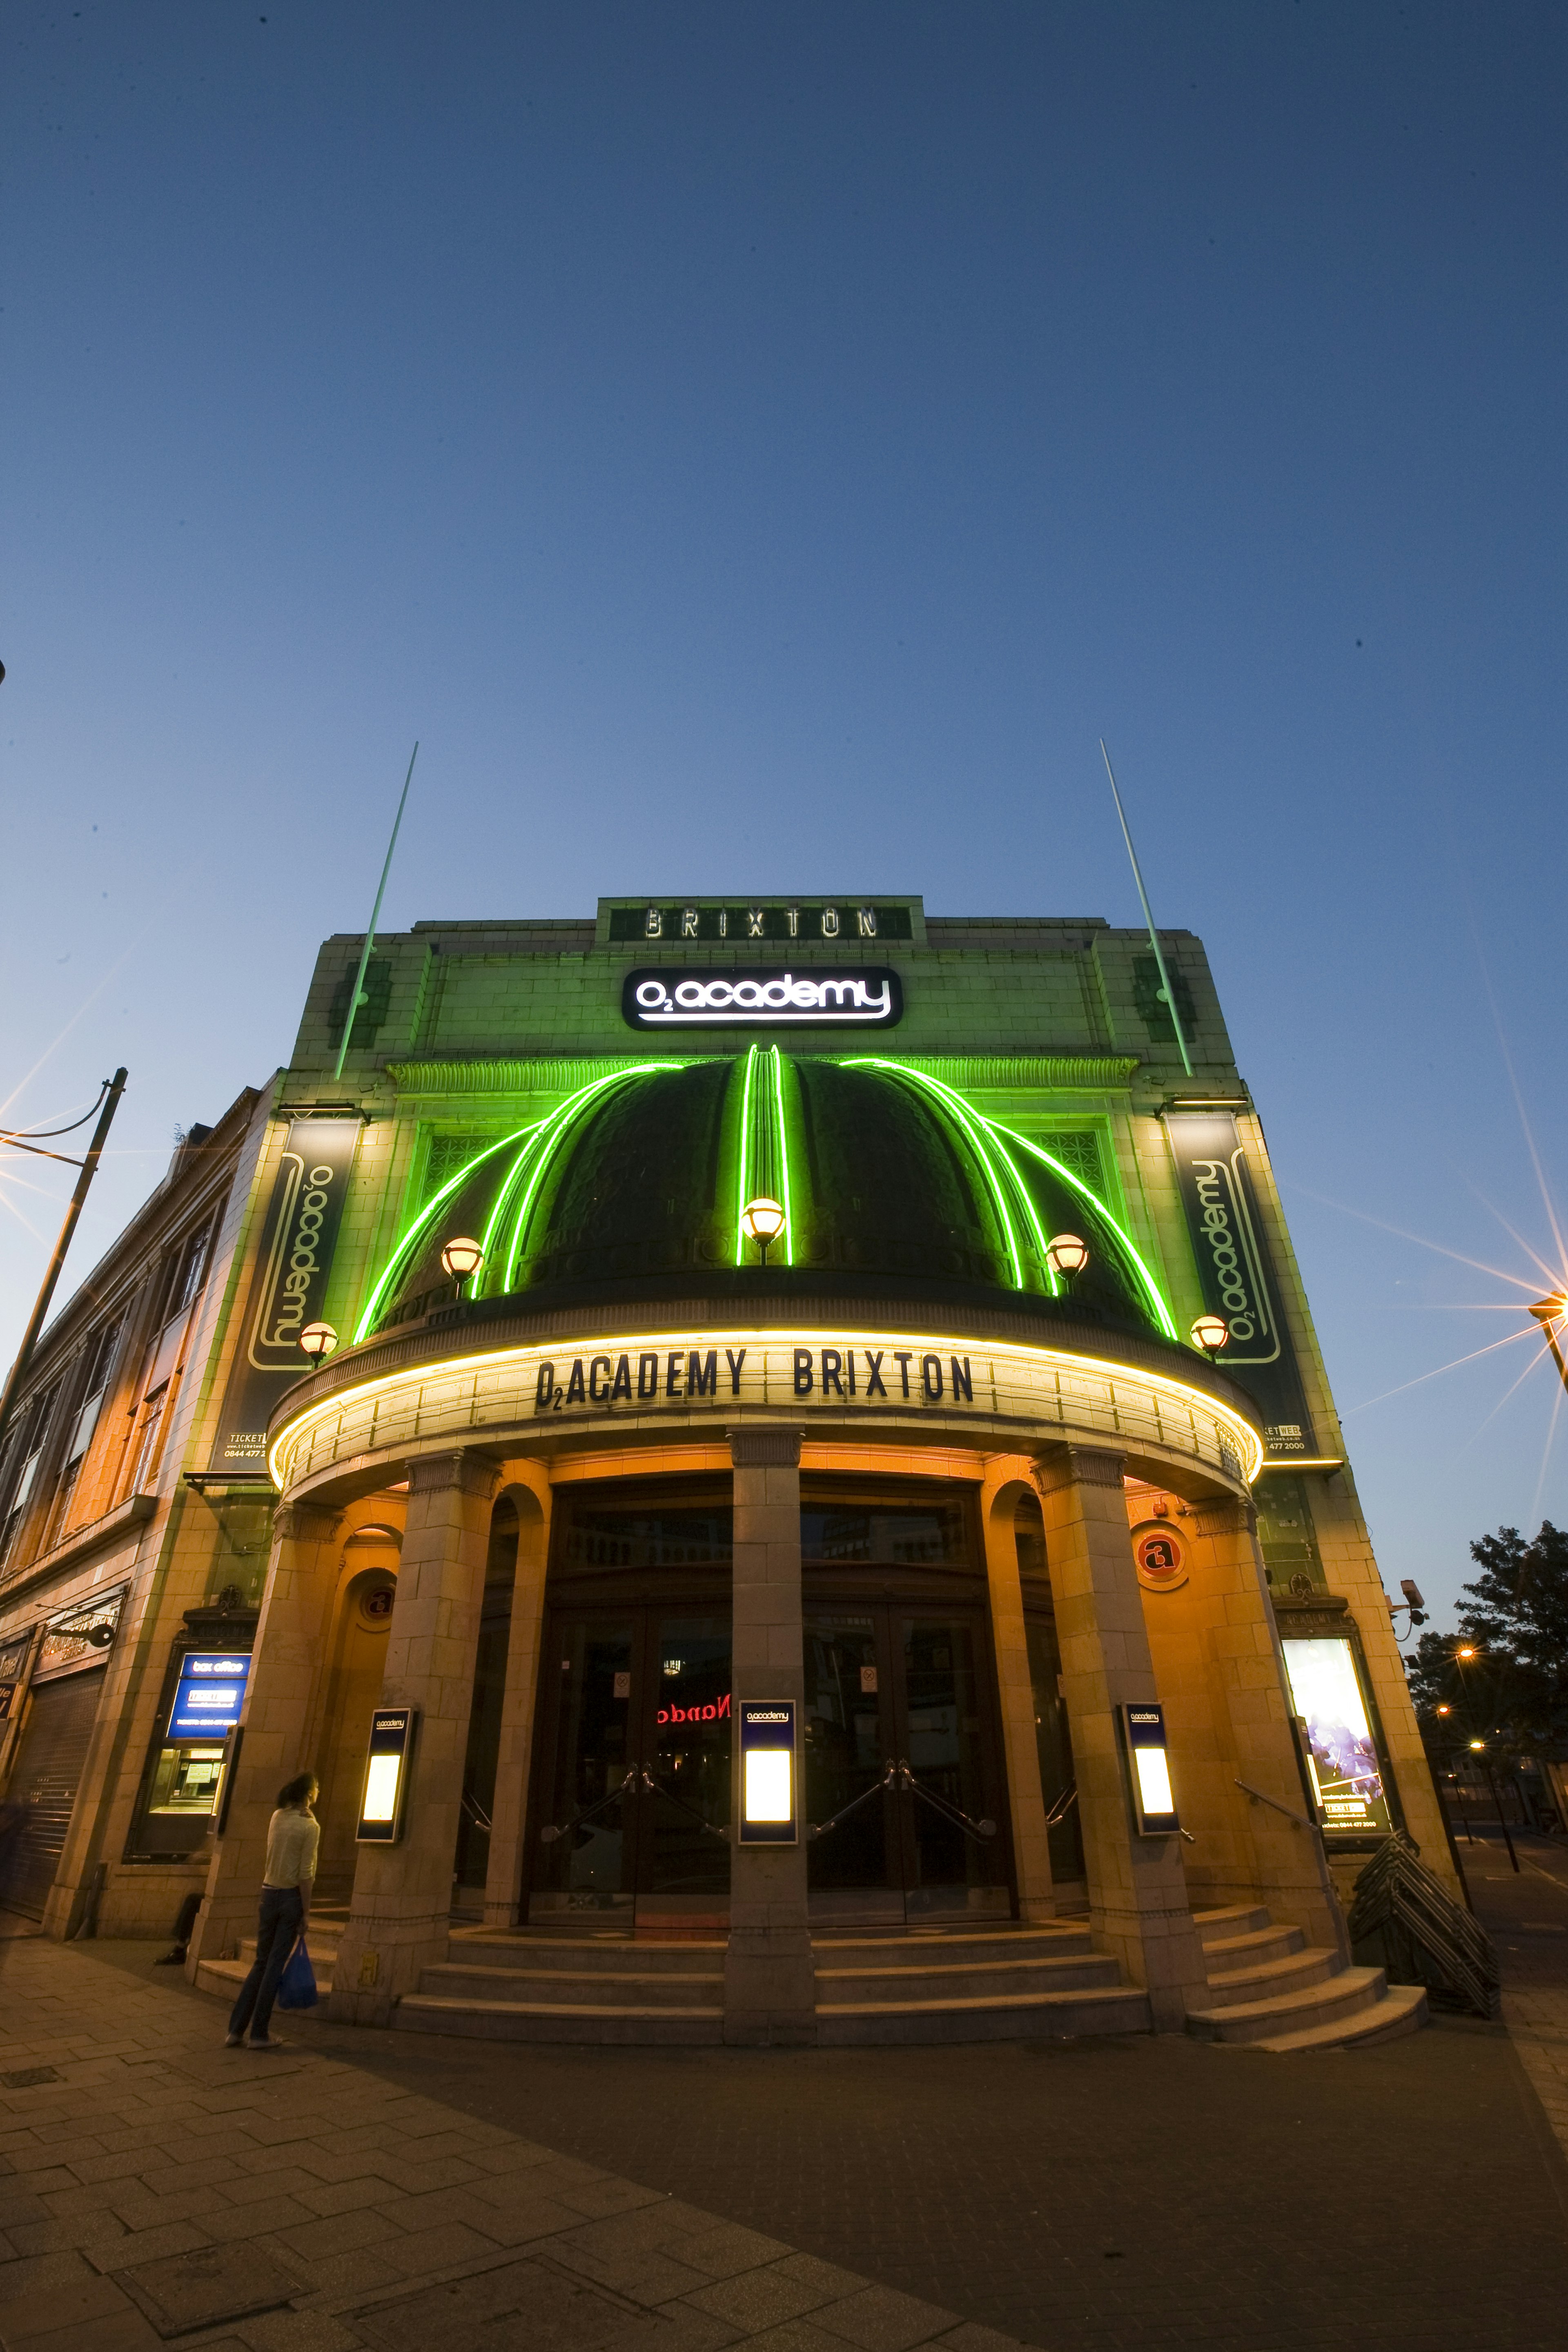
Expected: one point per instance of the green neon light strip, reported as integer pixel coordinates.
(741, 1195)
(1162, 1313)
(400, 1256)
(1053, 1280)
(550, 1135)
(971, 1123)
(788, 1204)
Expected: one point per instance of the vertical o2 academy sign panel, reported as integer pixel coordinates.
(1237, 1274)
(287, 1284)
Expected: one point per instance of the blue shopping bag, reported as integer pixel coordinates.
(297, 1985)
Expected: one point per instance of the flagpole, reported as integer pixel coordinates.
(357, 996)
(1166, 990)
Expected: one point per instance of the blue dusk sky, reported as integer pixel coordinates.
(761, 447)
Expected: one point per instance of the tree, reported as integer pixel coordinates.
(1515, 1617)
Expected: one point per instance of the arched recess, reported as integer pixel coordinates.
(501, 1729)
(470, 1866)
(356, 1660)
(1052, 1737)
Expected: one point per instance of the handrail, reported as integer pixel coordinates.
(820, 1829)
(979, 1831)
(548, 1835)
(657, 1789)
(1290, 1814)
(470, 1805)
(1063, 1805)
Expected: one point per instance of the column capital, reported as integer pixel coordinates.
(304, 1523)
(766, 1448)
(1077, 1465)
(1225, 1515)
(472, 1472)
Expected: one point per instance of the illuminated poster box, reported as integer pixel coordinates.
(386, 1775)
(209, 1694)
(1341, 1753)
(1142, 1725)
(768, 1815)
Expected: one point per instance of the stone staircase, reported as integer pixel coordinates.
(1269, 1988)
(1001, 1984)
(1271, 1991)
(321, 1939)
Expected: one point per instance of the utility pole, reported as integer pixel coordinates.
(88, 1168)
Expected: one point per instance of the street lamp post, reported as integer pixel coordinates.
(1548, 1313)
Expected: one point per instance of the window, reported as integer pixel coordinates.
(182, 1271)
(29, 1451)
(147, 1439)
(99, 1362)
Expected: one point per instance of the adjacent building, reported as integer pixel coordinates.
(756, 1493)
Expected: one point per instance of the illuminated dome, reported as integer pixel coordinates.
(893, 1184)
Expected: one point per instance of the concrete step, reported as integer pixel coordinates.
(226, 1977)
(1291, 1973)
(1401, 2011)
(576, 1989)
(1233, 1919)
(950, 1949)
(505, 2021)
(1028, 2017)
(1227, 1954)
(932, 1981)
(610, 1956)
(1333, 2003)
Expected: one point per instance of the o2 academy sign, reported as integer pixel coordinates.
(866, 998)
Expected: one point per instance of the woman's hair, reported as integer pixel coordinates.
(299, 1790)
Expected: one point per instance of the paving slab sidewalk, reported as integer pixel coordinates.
(156, 2188)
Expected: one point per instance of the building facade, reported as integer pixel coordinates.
(765, 1580)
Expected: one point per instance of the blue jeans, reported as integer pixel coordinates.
(277, 1933)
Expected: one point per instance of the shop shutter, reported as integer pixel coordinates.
(44, 1783)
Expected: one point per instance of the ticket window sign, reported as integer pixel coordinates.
(1341, 1752)
(1149, 1768)
(768, 1781)
(386, 1775)
(209, 1694)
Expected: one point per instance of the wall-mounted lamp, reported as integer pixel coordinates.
(1210, 1333)
(1066, 1256)
(318, 1340)
(763, 1219)
(462, 1257)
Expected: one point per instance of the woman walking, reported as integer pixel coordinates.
(293, 1836)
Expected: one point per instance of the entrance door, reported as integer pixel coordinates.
(45, 1780)
(634, 1781)
(902, 1772)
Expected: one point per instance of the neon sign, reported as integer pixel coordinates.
(868, 998)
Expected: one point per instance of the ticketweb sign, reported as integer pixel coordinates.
(868, 997)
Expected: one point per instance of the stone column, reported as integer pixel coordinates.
(506, 1878)
(1137, 1891)
(400, 1918)
(770, 1984)
(1230, 1596)
(278, 1730)
(1031, 1839)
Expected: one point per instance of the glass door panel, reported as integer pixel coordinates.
(847, 1753)
(687, 1736)
(949, 1861)
(584, 1853)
